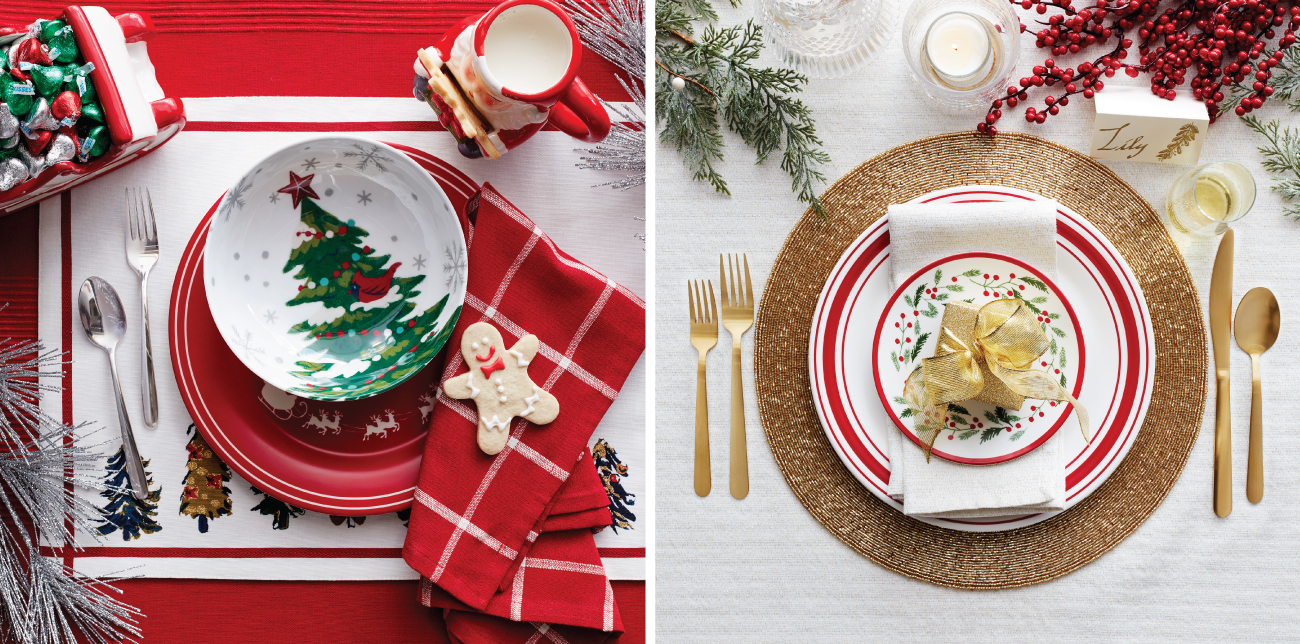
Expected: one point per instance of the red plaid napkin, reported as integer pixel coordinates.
(494, 533)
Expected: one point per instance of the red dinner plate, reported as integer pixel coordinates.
(351, 458)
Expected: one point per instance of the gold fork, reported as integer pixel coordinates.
(737, 317)
(704, 335)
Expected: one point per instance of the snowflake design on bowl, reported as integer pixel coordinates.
(962, 424)
(372, 155)
(235, 197)
(244, 342)
(455, 266)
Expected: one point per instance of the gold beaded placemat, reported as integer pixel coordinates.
(979, 560)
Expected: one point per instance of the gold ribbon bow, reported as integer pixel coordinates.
(1005, 342)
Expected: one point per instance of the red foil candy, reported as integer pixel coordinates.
(30, 51)
(66, 105)
(38, 144)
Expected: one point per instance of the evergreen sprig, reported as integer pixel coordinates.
(1281, 159)
(722, 80)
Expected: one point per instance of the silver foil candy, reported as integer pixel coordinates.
(8, 122)
(12, 173)
(41, 119)
(62, 148)
(34, 163)
(10, 142)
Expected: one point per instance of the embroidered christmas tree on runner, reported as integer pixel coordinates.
(123, 511)
(368, 328)
(204, 494)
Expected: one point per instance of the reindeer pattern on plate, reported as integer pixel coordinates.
(330, 421)
(325, 420)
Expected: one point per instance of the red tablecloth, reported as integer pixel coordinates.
(182, 610)
(246, 48)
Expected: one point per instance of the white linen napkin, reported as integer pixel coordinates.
(920, 234)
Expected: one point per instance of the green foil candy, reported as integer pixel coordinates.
(101, 142)
(70, 84)
(93, 112)
(67, 46)
(48, 80)
(19, 104)
(51, 28)
(4, 60)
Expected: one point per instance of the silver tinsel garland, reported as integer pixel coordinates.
(42, 601)
(617, 32)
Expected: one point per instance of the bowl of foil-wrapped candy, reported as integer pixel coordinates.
(78, 98)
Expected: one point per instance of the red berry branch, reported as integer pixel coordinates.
(1217, 43)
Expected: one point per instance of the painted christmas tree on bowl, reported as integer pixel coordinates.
(316, 268)
(373, 335)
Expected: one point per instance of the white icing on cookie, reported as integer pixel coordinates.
(469, 382)
(519, 358)
(499, 425)
(474, 346)
(487, 342)
(501, 389)
(530, 400)
(498, 381)
(503, 399)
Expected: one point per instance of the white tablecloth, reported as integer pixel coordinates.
(763, 569)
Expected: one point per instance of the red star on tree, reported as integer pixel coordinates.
(299, 187)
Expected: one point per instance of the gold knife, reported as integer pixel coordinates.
(1220, 332)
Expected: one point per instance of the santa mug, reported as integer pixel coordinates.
(496, 79)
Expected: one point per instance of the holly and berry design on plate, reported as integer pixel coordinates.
(370, 335)
(985, 286)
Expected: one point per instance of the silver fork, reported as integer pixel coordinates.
(142, 254)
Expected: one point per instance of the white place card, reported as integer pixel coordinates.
(1135, 125)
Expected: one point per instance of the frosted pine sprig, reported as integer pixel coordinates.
(1282, 160)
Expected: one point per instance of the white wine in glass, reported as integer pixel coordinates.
(1206, 200)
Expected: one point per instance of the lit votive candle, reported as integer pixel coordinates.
(959, 49)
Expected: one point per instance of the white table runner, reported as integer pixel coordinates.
(186, 176)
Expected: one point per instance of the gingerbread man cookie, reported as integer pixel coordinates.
(498, 383)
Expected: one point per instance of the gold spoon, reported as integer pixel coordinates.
(1256, 326)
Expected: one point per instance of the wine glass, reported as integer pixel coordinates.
(1206, 199)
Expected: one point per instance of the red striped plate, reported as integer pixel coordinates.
(1112, 319)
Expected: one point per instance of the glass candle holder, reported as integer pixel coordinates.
(827, 38)
(961, 52)
(1207, 199)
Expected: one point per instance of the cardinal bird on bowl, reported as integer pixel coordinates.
(368, 289)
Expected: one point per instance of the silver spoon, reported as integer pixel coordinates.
(105, 325)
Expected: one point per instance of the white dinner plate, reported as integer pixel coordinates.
(1111, 316)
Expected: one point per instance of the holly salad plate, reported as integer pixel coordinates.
(910, 325)
(351, 458)
(318, 268)
(1106, 312)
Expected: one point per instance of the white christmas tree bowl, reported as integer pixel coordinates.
(335, 268)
